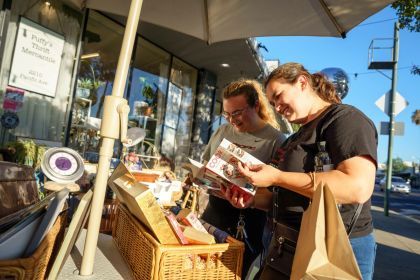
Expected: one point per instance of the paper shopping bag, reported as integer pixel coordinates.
(323, 248)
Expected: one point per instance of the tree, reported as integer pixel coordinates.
(398, 165)
(415, 70)
(408, 12)
(415, 117)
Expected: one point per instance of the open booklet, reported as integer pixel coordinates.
(222, 168)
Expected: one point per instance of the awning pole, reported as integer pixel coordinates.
(106, 151)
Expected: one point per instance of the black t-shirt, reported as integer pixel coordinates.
(348, 133)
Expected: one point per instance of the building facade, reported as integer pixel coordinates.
(58, 62)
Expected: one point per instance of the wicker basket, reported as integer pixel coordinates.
(37, 265)
(149, 259)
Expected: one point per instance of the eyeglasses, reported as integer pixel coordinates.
(234, 115)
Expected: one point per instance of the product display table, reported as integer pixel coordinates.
(109, 263)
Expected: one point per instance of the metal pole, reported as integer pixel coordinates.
(391, 118)
(106, 151)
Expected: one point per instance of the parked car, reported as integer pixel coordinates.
(415, 181)
(378, 179)
(398, 184)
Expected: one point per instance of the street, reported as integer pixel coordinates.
(407, 205)
(397, 235)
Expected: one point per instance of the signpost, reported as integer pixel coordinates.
(391, 117)
(398, 128)
(384, 100)
(391, 103)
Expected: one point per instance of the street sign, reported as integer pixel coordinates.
(383, 103)
(398, 128)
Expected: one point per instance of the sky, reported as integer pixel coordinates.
(351, 55)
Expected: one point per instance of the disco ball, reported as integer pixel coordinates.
(339, 78)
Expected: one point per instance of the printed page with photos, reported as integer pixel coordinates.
(222, 168)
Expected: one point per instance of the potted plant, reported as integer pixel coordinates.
(149, 92)
(26, 152)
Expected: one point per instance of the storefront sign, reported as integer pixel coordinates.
(36, 58)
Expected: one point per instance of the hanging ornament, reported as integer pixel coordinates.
(339, 78)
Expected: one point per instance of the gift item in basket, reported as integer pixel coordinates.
(146, 175)
(142, 203)
(166, 192)
(176, 227)
(149, 259)
(188, 218)
(218, 234)
(195, 236)
(121, 170)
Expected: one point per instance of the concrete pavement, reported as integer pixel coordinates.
(397, 255)
(398, 252)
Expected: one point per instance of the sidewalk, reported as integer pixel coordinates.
(397, 255)
(398, 252)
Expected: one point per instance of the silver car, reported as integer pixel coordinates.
(398, 184)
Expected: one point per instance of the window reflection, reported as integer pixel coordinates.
(176, 140)
(101, 44)
(148, 80)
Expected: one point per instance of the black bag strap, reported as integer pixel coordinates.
(275, 204)
(354, 218)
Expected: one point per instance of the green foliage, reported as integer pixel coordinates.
(415, 117)
(85, 83)
(398, 165)
(408, 12)
(415, 70)
(41, 195)
(89, 84)
(149, 92)
(27, 152)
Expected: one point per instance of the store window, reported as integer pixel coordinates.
(147, 84)
(178, 120)
(217, 119)
(98, 63)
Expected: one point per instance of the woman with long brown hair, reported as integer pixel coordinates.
(350, 140)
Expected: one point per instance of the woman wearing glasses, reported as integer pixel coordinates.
(252, 126)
